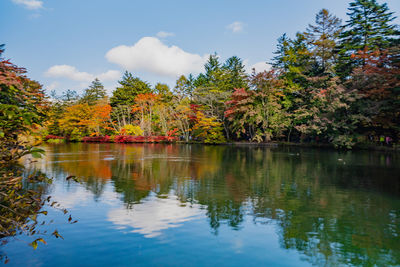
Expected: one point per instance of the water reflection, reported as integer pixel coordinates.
(154, 215)
(334, 208)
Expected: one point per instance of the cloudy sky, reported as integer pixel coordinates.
(66, 44)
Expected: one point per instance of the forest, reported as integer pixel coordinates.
(335, 83)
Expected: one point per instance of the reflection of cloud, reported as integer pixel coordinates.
(68, 199)
(81, 197)
(154, 215)
(238, 245)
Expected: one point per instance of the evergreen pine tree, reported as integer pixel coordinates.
(369, 27)
(292, 60)
(323, 37)
(95, 92)
(130, 87)
(212, 65)
(235, 71)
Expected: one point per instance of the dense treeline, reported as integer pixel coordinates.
(335, 83)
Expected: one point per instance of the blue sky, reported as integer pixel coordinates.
(65, 44)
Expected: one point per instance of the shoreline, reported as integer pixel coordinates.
(366, 147)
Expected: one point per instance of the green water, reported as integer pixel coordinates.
(192, 205)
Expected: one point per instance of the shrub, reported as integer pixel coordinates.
(55, 141)
(130, 129)
(76, 135)
(123, 139)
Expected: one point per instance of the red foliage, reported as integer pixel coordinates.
(238, 97)
(173, 132)
(378, 76)
(194, 109)
(98, 139)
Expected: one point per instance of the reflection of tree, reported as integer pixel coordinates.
(335, 208)
(84, 161)
(330, 224)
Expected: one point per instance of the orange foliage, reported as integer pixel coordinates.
(377, 77)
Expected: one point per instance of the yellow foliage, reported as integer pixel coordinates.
(130, 129)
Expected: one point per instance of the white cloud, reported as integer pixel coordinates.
(72, 73)
(29, 4)
(163, 34)
(151, 55)
(236, 26)
(69, 72)
(259, 67)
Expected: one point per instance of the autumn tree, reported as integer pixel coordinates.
(22, 101)
(378, 83)
(77, 121)
(257, 114)
(57, 110)
(22, 107)
(101, 118)
(326, 112)
(214, 87)
(181, 116)
(144, 105)
(208, 130)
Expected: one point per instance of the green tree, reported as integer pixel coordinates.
(369, 27)
(292, 60)
(129, 88)
(235, 72)
(212, 65)
(163, 91)
(94, 93)
(184, 86)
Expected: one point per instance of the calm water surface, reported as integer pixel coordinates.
(192, 205)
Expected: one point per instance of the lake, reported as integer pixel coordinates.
(194, 205)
